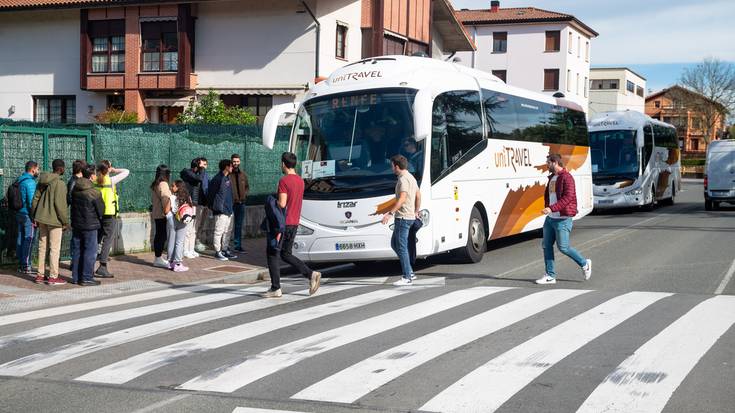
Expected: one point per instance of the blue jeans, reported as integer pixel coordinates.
(239, 210)
(558, 230)
(24, 241)
(83, 254)
(399, 243)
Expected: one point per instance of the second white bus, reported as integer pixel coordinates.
(476, 146)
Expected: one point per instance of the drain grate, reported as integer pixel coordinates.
(232, 269)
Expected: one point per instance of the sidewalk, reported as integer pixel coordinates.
(136, 271)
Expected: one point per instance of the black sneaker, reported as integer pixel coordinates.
(87, 283)
(103, 273)
(241, 250)
(229, 255)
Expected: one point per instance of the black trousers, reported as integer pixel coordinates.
(275, 255)
(109, 230)
(159, 239)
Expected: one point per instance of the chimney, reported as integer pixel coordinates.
(494, 6)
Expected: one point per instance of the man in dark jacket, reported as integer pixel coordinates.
(87, 209)
(220, 202)
(51, 214)
(197, 182)
(560, 201)
(76, 172)
(240, 188)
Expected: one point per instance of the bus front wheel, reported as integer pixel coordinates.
(476, 239)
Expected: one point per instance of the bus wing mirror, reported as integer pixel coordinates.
(273, 119)
(422, 108)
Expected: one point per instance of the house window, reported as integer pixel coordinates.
(502, 74)
(160, 46)
(695, 144)
(55, 109)
(639, 91)
(586, 83)
(630, 86)
(570, 45)
(604, 84)
(108, 46)
(569, 80)
(577, 84)
(579, 46)
(341, 46)
(551, 79)
(116, 102)
(587, 51)
(553, 41)
(500, 42)
(656, 104)
(394, 45)
(258, 105)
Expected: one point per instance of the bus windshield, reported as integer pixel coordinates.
(346, 141)
(614, 154)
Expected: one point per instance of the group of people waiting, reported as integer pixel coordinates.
(44, 203)
(181, 208)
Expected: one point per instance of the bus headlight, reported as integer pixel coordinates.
(302, 230)
(425, 216)
(634, 192)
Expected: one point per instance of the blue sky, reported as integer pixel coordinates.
(656, 38)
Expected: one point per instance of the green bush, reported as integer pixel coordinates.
(692, 162)
(211, 110)
(116, 116)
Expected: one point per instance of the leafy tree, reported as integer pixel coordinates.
(211, 110)
(714, 81)
(116, 116)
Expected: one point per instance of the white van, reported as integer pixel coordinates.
(719, 174)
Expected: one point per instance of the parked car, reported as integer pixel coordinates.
(719, 174)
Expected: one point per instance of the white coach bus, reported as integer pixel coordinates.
(635, 160)
(476, 146)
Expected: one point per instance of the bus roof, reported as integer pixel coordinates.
(625, 120)
(417, 73)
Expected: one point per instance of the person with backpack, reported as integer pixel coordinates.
(87, 209)
(20, 199)
(51, 214)
(220, 202)
(107, 185)
(290, 198)
(181, 206)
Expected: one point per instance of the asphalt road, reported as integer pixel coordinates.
(651, 331)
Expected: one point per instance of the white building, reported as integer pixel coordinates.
(616, 89)
(153, 57)
(535, 49)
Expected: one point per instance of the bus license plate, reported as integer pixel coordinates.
(344, 246)
(605, 201)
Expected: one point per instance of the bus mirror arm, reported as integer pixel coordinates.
(272, 121)
(419, 138)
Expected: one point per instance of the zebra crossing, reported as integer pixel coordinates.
(472, 348)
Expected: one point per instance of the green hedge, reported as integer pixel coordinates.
(692, 162)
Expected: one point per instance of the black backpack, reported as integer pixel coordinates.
(13, 197)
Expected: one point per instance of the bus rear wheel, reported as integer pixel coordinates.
(476, 239)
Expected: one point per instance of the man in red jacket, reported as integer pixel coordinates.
(560, 201)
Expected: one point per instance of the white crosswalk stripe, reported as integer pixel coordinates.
(233, 377)
(38, 361)
(513, 370)
(65, 327)
(126, 370)
(354, 382)
(646, 380)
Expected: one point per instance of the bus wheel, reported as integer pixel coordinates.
(476, 239)
(652, 205)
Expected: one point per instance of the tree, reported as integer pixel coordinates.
(116, 116)
(211, 110)
(714, 80)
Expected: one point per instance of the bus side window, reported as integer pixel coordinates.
(456, 131)
(500, 114)
(647, 145)
(532, 120)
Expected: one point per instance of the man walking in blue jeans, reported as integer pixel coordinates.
(560, 201)
(26, 226)
(408, 202)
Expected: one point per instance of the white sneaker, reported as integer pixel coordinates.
(160, 263)
(413, 276)
(194, 254)
(402, 282)
(546, 279)
(587, 270)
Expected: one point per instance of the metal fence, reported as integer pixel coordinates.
(139, 148)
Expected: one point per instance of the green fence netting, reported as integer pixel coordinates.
(139, 148)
